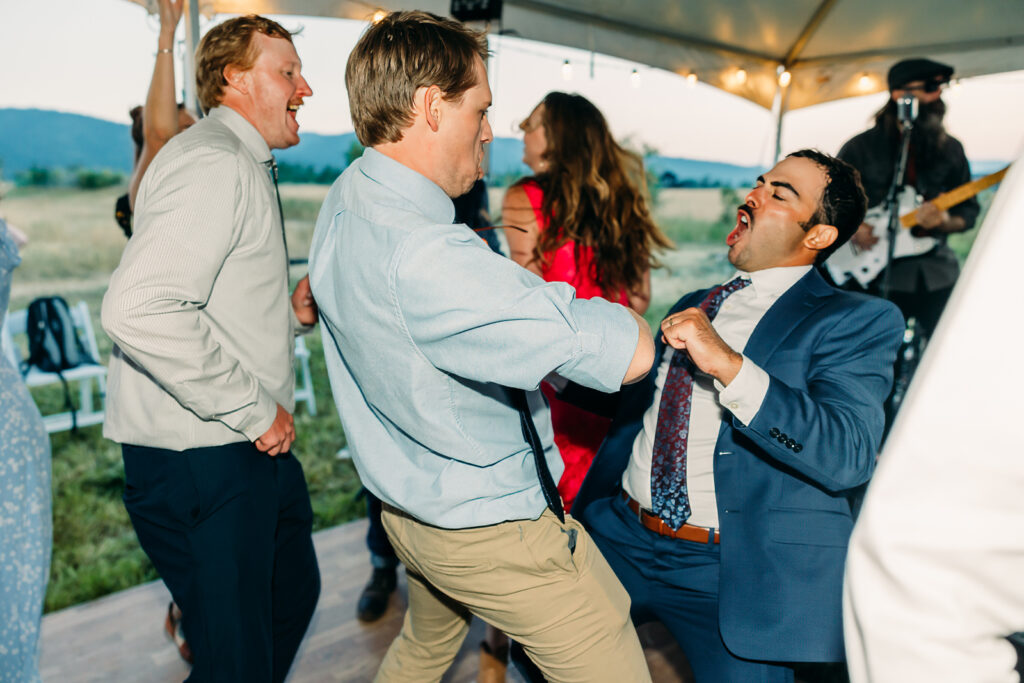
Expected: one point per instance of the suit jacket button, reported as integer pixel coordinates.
(782, 437)
(773, 432)
(797, 448)
(790, 443)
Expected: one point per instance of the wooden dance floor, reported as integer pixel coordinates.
(120, 637)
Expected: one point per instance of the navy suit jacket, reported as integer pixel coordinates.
(787, 483)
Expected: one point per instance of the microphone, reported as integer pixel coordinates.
(906, 110)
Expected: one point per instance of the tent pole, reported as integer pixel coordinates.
(782, 97)
(189, 61)
(778, 134)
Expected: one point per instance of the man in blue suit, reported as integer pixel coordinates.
(725, 493)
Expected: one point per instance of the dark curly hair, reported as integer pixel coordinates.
(843, 201)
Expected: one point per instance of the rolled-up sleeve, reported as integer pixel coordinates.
(482, 317)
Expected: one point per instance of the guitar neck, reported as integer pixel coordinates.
(957, 195)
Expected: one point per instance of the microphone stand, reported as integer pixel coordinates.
(907, 108)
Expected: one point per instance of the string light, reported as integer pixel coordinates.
(691, 79)
(634, 79)
(566, 71)
(740, 76)
(865, 83)
(784, 78)
(378, 16)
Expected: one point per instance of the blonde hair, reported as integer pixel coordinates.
(400, 53)
(226, 44)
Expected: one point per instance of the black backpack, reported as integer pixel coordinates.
(54, 344)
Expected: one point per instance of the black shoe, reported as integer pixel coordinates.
(373, 602)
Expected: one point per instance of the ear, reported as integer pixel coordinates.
(432, 98)
(820, 237)
(237, 78)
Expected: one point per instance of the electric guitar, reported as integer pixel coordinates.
(864, 265)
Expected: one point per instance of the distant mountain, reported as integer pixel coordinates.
(674, 172)
(507, 158)
(318, 150)
(52, 139)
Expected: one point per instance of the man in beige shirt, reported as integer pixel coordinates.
(202, 376)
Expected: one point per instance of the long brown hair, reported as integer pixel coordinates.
(595, 194)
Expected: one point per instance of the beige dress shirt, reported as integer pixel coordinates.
(199, 308)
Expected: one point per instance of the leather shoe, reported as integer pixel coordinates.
(373, 602)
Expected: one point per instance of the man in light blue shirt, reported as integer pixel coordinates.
(431, 334)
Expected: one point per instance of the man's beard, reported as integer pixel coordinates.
(928, 136)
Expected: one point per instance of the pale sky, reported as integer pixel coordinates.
(95, 57)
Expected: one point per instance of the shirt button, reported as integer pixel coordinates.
(734, 405)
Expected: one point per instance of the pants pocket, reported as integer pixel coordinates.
(549, 544)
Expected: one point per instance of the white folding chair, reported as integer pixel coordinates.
(16, 323)
(303, 378)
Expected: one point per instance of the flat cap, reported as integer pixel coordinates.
(917, 69)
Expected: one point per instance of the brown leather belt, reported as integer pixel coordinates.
(687, 532)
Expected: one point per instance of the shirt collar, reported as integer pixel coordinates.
(245, 131)
(430, 200)
(773, 281)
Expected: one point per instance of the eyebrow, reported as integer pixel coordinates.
(780, 183)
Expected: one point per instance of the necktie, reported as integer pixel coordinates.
(669, 497)
(271, 165)
(547, 482)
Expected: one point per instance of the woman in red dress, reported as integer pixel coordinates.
(582, 218)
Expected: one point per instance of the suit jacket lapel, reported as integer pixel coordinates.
(799, 301)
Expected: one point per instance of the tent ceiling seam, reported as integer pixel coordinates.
(805, 36)
(639, 29)
(943, 48)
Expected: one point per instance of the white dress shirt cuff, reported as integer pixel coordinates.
(745, 393)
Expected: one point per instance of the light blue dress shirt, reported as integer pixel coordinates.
(426, 328)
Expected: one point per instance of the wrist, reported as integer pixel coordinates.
(730, 368)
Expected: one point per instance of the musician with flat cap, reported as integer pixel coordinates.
(921, 280)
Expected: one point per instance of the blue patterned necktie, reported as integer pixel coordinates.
(669, 496)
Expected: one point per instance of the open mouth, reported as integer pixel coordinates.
(293, 108)
(744, 221)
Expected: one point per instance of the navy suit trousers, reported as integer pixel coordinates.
(674, 582)
(229, 530)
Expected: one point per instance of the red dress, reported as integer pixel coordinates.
(578, 433)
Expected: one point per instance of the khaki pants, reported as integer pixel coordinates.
(566, 608)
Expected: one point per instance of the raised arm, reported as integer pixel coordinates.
(160, 115)
(521, 228)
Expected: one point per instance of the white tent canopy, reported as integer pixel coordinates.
(831, 48)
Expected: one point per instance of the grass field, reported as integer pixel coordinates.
(75, 245)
